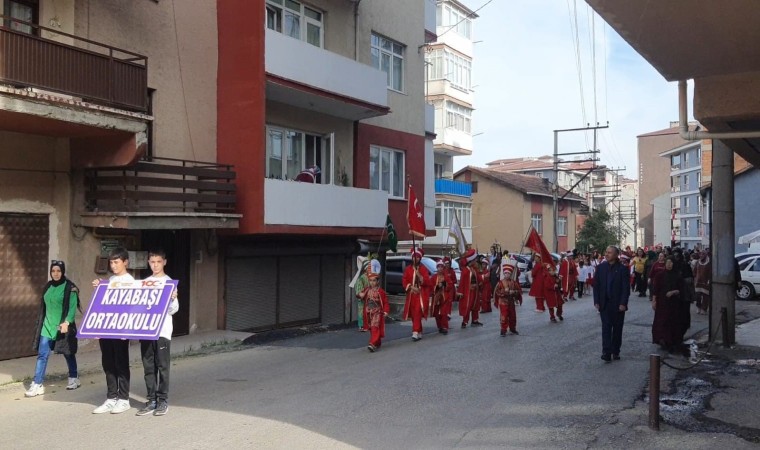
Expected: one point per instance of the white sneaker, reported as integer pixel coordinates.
(120, 407)
(34, 390)
(73, 384)
(105, 407)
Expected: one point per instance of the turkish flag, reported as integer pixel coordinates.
(415, 216)
(535, 243)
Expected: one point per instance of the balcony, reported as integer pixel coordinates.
(451, 141)
(308, 77)
(452, 187)
(163, 193)
(92, 71)
(323, 205)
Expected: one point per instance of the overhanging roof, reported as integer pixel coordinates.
(159, 220)
(685, 39)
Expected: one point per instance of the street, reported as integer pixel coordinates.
(545, 388)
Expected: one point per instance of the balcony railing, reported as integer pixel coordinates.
(452, 187)
(162, 185)
(95, 72)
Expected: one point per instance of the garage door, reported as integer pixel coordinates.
(251, 291)
(23, 274)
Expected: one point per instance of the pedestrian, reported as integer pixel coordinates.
(58, 307)
(611, 291)
(639, 263)
(667, 326)
(582, 276)
(440, 303)
(553, 293)
(568, 273)
(507, 293)
(156, 355)
(485, 286)
(376, 308)
(469, 289)
(416, 282)
(359, 287)
(537, 285)
(657, 267)
(115, 352)
(702, 282)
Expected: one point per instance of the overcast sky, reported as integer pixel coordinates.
(526, 84)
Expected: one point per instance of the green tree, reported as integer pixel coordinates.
(598, 232)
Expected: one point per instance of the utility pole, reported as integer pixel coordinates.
(555, 187)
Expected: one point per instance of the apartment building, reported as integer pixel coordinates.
(685, 164)
(449, 92)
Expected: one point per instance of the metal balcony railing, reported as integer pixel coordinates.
(162, 185)
(95, 72)
(452, 187)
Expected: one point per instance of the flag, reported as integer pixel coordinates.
(535, 243)
(455, 231)
(415, 218)
(390, 230)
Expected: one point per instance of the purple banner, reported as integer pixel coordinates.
(127, 310)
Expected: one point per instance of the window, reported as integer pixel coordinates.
(291, 151)
(686, 160)
(386, 171)
(446, 65)
(24, 10)
(447, 16)
(686, 205)
(295, 20)
(438, 171)
(686, 182)
(675, 162)
(445, 210)
(540, 174)
(686, 228)
(562, 226)
(458, 117)
(388, 56)
(535, 220)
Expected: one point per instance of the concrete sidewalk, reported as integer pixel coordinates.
(88, 357)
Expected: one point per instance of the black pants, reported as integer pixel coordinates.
(115, 360)
(612, 329)
(640, 283)
(156, 364)
(580, 288)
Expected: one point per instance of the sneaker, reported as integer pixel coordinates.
(161, 409)
(371, 348)
(515, 332)
(464, 325)
(107, 406)
(606, 357)
(559, 317)
(444, 331)
(475, 323)
(147, 409)
(616, 356)
(416, 336)
(34, 390)
(553, 320)
(73, 383)
(120, 407)
(503, 334)
(540, 310)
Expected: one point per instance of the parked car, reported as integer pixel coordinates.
(750, 285)
(394, 270)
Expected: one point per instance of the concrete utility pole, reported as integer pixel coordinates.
(722, 245)
(555, 188)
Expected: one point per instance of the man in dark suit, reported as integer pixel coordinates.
(611, 291)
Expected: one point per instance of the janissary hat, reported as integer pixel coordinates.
(416, 251)
(508, 266)
(446, 260)
(470, 256)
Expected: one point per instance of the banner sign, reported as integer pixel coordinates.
(127, 310)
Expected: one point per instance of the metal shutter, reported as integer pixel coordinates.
(299, 289)
(23, 273)
(333, 289)
(251, 290)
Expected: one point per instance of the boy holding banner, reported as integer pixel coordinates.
(156, 355)
(115, 352)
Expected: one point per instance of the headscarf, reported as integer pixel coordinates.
(61, 265)
(671, 277)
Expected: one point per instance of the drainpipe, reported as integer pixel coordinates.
(356, 29)
(683, 123)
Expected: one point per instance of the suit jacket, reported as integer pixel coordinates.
(612, 285)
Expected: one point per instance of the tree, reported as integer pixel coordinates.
(598, 233)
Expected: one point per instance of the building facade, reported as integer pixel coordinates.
(449, 91)
(685, 163)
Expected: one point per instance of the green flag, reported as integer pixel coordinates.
(390, 230)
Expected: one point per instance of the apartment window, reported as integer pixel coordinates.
(686, 228)
(458, 117)
(291, 151)
(296, 20)
(686, 160)
(447, 16)
(24, 10)
(438, 171)
(445, 210)
(699, 179)
(388, 56)
(536, 220)
(686, 204)
(540, 174)
(446, 65)
(386, 171)
(562, 226)
(675, 162)
(686, 185)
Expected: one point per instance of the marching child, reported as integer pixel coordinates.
(508, 292)
(376, 307)
(156, 355)
(581, 277)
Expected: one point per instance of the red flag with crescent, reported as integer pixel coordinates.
(535, 243)
(415, 216)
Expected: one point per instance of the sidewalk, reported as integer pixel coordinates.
(88, 357)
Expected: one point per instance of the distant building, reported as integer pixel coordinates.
(685, 164)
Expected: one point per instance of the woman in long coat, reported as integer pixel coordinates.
(667, 327)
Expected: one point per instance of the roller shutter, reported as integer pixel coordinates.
(251, 291)
(299, 290)
(333, 289)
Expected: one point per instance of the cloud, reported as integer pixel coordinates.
(526, 85)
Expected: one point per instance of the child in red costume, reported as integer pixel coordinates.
(508, 292)
(376, 307)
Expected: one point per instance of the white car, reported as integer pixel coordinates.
(750, 285)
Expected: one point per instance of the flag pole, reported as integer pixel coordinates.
(380, 244)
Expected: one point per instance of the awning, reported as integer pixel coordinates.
(750, 238)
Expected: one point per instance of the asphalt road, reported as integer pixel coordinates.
(546, 388)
